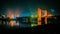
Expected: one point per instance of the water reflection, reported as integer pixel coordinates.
(22, 22)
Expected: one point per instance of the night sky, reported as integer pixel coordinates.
(28, 6)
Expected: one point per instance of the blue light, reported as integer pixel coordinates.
(52, 10)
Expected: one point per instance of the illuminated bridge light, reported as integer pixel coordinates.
(46, 17)
(39, 16)
(43, 14)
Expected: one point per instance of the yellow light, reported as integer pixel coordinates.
(12, 23)
(45, 16)
(39, 16)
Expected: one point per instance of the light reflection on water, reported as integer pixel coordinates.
(14, 24)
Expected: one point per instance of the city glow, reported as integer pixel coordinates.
(33, 18)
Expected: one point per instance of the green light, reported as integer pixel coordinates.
(32, 25)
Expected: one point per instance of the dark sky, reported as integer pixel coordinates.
(25, 4)
(49, 3)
